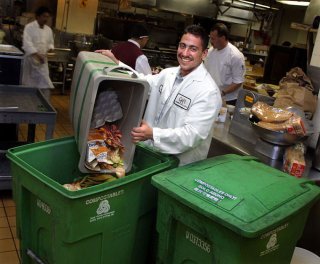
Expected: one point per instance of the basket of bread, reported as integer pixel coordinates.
(278, 126)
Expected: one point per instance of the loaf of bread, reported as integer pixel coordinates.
(294, 161)
(294, 125)
(268, 113)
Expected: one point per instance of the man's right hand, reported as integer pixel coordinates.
(39, 57)
(109, 54)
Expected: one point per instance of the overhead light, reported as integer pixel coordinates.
(295, 3)
(256, 4)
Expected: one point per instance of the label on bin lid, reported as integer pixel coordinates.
(237, 191)
(214, 194)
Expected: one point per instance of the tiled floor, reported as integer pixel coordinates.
(9, 244)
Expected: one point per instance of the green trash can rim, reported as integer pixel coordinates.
(14, 153)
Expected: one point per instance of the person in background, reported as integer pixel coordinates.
(130, 53)
(225, 63)
(183, 104)
(37, 41)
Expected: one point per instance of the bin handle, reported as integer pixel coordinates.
(107, 70)
(34, 257)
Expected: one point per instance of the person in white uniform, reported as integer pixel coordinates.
(183, 103)
(225, 63)
(37, 41)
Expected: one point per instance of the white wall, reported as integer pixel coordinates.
(312, 11)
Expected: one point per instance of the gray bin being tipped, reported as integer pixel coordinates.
(93, 76)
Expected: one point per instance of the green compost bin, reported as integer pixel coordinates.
(109, 223)
(230, 209)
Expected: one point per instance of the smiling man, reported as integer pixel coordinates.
(183, 103)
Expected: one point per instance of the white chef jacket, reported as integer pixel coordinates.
(142, 63)
(182, 116)
(36, 39)
(226, 66)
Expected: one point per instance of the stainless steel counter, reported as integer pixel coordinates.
(22, 105)
(63, 56)
(224, 142)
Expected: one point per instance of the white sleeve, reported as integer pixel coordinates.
(142, 65)
(28, 45)
(238, 69)
(51, 39)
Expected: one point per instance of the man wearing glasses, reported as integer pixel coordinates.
(183, 103)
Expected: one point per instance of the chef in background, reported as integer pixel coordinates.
(130, 52)
(225, 63)
(37, 42)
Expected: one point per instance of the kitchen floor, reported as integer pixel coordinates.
(9, 244)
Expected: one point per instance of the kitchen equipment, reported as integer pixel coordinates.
(60, 56)
(275, 137)
(11, 61)
(269, 143)
(240, 125)
(273, 143)
(20, 105)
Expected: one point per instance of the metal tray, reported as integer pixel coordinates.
(10, 50)
(20, 104)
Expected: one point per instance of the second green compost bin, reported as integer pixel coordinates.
(230, 209)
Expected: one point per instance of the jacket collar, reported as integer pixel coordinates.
(198, 74)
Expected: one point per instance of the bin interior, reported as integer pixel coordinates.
(131, 96)
(56, 162)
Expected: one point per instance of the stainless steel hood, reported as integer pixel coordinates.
(234, 11)
(235, 15)
(144, 3)
(203, 8)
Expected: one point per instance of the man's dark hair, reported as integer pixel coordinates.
(41, 10)
(138, 31)
(221, 29)
(198, 31)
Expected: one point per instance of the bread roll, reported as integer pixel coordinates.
(268, 113)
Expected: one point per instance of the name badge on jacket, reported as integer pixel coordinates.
(182, 101)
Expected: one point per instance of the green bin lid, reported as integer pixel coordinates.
(238, 192)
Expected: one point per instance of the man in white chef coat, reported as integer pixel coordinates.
(37, 41)
(225, 63)
(183, 103)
